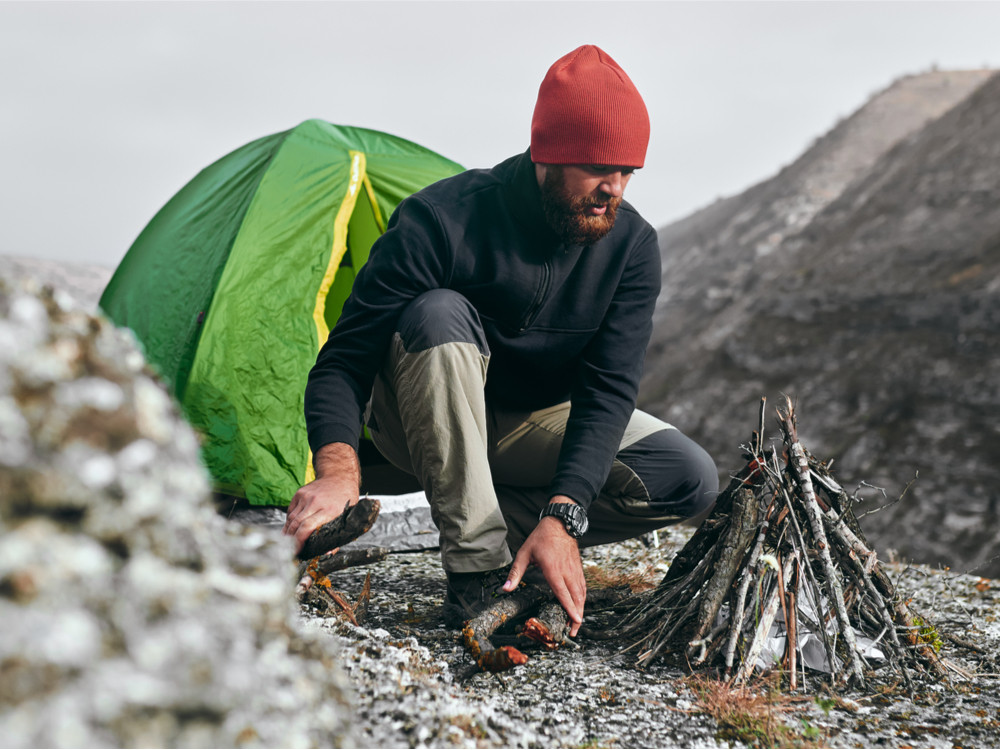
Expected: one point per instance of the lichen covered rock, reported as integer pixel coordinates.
(133, 615)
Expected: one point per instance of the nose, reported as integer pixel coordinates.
(614, 184)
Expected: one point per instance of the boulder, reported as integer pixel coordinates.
(133, 614)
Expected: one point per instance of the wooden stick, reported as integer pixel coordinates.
(342, 559)
(782, 596)
(815, 590)
(302, 587)
(361, 605)
(739, 606)
(344, 605)
(478, 630)
(884, 618)
(800, 465)
(348, 526)
(763, 628)
(791, 629)
(742, 525)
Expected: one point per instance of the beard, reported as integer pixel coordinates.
(567, 213)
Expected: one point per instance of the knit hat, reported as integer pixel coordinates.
(589, 112)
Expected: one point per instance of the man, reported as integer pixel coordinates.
(498, 331)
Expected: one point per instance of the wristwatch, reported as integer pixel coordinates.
(574, 517)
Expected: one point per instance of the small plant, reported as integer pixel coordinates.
(809, 731)
(827, 704)
(928, 634)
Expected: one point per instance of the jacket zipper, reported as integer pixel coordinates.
(536, 303)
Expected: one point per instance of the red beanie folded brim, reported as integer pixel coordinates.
(589, 112)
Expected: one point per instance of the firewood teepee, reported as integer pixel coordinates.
(781, 560)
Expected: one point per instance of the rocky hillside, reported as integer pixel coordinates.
(862, 280)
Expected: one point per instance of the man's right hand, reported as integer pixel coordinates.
(557, 554)
(338, 477)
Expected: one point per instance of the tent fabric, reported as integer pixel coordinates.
(235, 283)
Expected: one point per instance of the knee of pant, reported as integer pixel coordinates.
(680, 477)
(703, 479)
(440, 316)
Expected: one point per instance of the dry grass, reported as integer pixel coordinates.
(636, 580)
(754, 716)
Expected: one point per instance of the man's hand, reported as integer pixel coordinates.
(338, 477)
(557, 554)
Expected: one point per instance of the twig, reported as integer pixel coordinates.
(763, 628)
(364, 598)
(342, 559)
(791, 628)
(916, 475)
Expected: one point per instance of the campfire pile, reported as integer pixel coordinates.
(780, 572)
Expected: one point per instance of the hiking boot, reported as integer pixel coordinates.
(469, 594)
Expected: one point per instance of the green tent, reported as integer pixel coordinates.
(236, 282)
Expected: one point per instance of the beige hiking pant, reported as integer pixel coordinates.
(486, 471)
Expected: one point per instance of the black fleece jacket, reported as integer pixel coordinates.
(562, 322)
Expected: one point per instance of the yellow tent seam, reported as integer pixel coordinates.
(356, 179)
(340, 223)
(310, 470)
(379, 222)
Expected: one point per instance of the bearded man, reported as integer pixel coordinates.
(497, 334)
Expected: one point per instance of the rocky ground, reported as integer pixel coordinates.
(416, 686)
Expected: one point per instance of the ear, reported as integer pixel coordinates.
(540, 171)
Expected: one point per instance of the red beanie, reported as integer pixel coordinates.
(589, 112)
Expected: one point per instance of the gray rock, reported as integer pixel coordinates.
(133, 615)
(403, 525)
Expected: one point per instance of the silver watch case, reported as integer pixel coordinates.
(574, 517)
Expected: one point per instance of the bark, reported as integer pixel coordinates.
(352, 523)
(742, 530)
(477, 631)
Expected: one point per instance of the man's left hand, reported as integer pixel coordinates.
(557, 554)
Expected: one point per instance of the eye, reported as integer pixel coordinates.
(603, 169)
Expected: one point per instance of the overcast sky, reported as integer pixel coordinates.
(107, 109)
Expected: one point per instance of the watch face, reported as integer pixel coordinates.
(574, 518)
